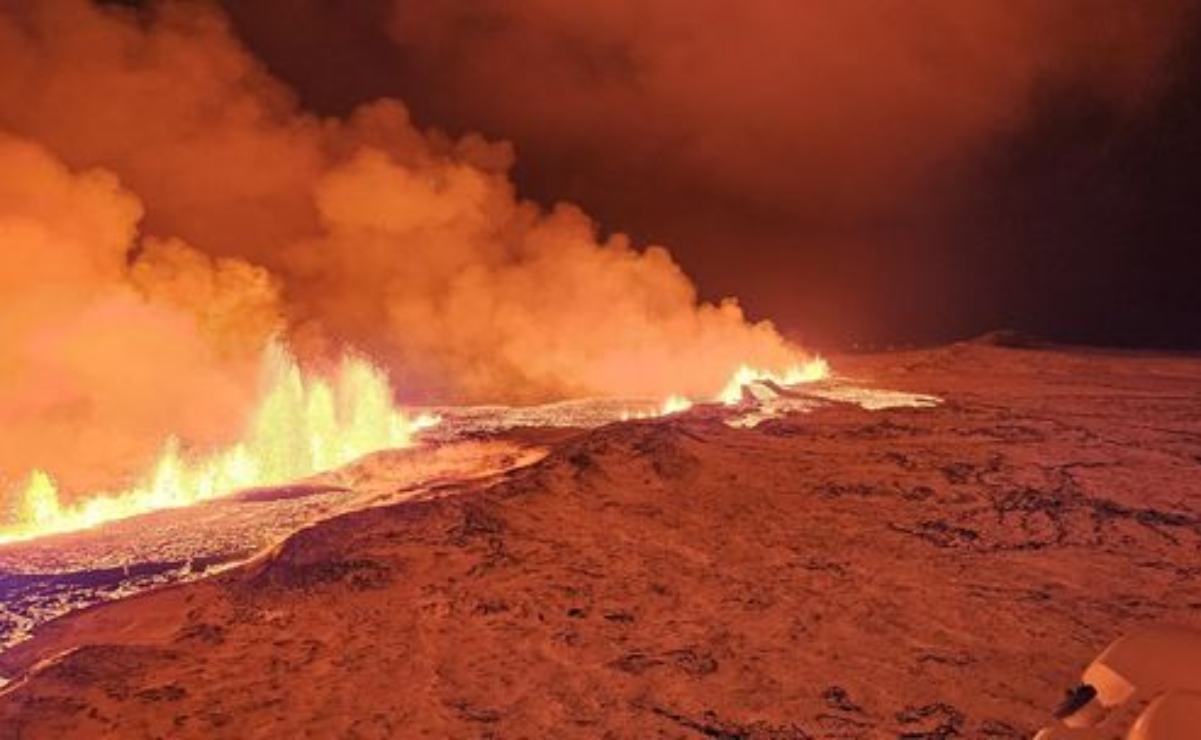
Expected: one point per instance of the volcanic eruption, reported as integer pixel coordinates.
(344, 370)
(188, 210)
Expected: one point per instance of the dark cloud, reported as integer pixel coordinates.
(1089, 217)
(811, 157)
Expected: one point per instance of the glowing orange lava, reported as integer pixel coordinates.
(301, 426)
(807, 372)
(810, 371)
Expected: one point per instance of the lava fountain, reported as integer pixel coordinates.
(303, 424)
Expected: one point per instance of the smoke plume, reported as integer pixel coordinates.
(102, 361)
(826, 161)
(166, 206)
(167, 203)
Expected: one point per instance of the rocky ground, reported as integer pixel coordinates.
(929, 572)
(43, 579)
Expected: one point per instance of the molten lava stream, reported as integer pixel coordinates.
(302, 425)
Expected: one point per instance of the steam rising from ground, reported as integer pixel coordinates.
(166, 206)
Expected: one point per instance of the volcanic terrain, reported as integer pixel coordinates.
(921, 572)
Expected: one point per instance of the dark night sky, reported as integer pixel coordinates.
(871, 209)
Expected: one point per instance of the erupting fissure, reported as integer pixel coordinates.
(302, 425)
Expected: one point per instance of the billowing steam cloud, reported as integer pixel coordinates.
(165, 206)
(834, 141)
(100, 360)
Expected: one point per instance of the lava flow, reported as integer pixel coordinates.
(302, 425)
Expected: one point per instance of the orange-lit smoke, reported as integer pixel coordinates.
(166, 206)
(300, 425)
(411, 246)
(101, 360)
